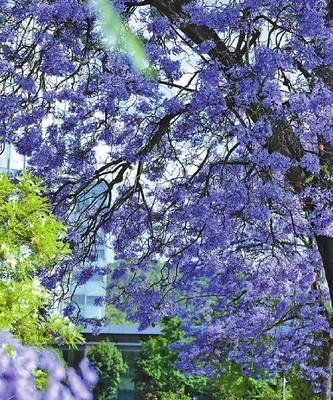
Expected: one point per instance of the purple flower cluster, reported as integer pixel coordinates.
(18, 366)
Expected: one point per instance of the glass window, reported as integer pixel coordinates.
(97, 278)
(79, 299)
(92, 310)
(91, 300)
(101, 254)
(130, 358)
(125, 395)
(17, 161)
(4, 157)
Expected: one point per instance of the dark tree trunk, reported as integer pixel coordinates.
(325, 246)
(327, 364)
(330, 10)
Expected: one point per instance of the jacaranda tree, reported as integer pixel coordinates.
(215, 170)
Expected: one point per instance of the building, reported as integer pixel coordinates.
(10, 160)
(85, 296)
(128, 340)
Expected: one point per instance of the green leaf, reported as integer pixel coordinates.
(325, 169)
(118, 36)
(31, 238)
(308, 179)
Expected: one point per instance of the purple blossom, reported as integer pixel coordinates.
(27, 83)
(18, 364)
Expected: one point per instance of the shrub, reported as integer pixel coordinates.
(109, 365)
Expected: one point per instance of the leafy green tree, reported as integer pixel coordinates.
(115, 316)
(179, 395)
(109, 364)
(156, 374)
(31, 238)
(301, 389)
(233, 385)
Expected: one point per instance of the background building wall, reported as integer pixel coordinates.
(10, 160)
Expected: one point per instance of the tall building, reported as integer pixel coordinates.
(10, 160)
(85, 296)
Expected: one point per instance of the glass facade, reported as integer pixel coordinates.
(130, 354)
(10, 160)
(126, 389)
(85, 296)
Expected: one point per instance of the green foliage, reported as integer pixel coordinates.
(300, 388)
(41, 376)
(308, 179)
(116, 317)
(155, 370)
(180, 395)
(109, 365)
(29, 234)
(31, 238)
(233, 385)
(41, 379)
(325, 169)
(117, 35)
